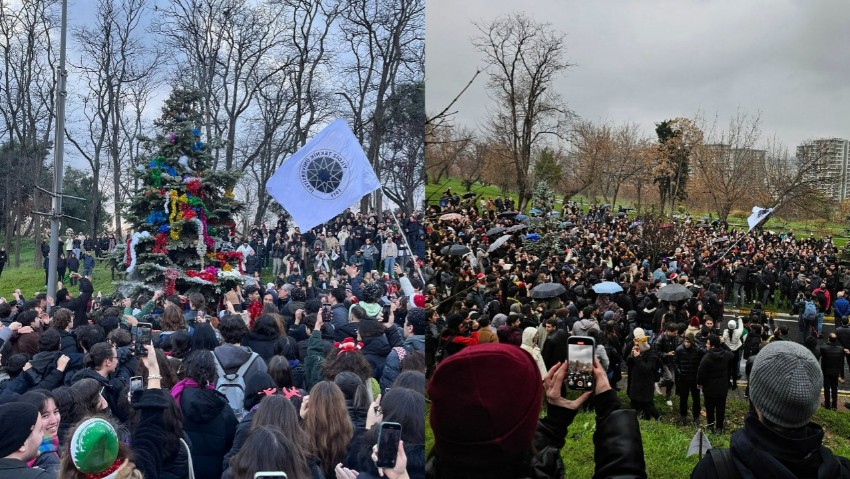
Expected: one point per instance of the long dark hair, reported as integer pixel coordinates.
(200, 367)
(268, 449)
(204, 338)
(280, 371)
(277, 411)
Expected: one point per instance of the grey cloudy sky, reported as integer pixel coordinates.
(644, 61)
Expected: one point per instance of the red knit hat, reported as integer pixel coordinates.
(485, 404)
(419, 300)
(694, 322)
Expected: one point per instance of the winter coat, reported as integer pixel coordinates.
(583, 326)
(831, 358)
(340, 316)
(178, 466)
(44, 372)
(841, 307)
(67, 343)
(555, 348)
(347, 330)
(758, 451)
(713, 372)
(210, 424)
(532, 349)
(487, 335)
(687, 363)
(79, 305)
(617, 445)
(376, 350)
(260, 344)
(733, 337)
(641, 384)
(15, 469)
(392, 365)
(239, 438)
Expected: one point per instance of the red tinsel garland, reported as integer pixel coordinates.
(160, 242)
(171, 276)
(254, 312)
(204, 275)
(128, 257)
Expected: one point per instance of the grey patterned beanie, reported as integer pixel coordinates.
(785, 384)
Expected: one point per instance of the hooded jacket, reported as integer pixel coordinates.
(375, 350)
(713, 372)
(529, 346)
(44, 372)
(392, 366)
(231, 357)
(210, 424)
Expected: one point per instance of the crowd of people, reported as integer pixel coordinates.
(295, 375)
(697, 345)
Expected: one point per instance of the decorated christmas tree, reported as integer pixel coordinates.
(181, 210)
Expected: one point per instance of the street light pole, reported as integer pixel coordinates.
(58, 157)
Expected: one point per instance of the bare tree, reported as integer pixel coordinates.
(113, 59)
(729, 165)
(524, 58)
(385, 39)
(791, 182)
(591, 148)
(27, 86)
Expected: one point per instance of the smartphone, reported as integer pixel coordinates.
(270, 474)
(388, 437)
(580, 352)
(143, 336)
(327, 314)
(136, 384)
(385, 313)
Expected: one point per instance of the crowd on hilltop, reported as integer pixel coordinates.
(675, 327)
(295, 374)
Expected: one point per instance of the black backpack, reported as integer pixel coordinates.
(723, 463)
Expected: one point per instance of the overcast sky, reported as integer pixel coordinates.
(644, 61)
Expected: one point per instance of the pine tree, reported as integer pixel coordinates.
(181, 210)
(544, 238)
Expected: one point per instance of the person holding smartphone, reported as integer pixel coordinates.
(520, 444)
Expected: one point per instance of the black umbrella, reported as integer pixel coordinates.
(674, 292)
(495, 231)
(515, 228)
(455, 250)
(720, 240)
(547, 290)
(508, 214)
(469, 194)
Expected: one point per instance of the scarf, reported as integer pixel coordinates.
(177, 390)
(48, 444)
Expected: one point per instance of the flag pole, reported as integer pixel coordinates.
(406, 243)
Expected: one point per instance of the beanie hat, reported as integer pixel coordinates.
(474, 421)
(631, 315)
(640, 335)
(732, 324)
(694, 322)
(608, 316)
(18, 420)
(690, 337)
(94, 446)
(419, 300)
(785, 384)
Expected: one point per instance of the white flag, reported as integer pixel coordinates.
(758, 217)
(699, 444)
(329, 174)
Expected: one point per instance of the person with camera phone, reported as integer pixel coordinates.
(521, 444)
(580, 352)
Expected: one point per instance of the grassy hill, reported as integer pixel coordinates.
(31, 280)
(665, 444)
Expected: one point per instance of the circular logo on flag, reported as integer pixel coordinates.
(325, 174)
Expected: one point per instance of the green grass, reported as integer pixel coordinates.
(665, 444)
(31, 280)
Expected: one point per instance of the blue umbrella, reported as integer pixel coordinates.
(520, 217)
(607, 287)
(535, 211)
(533, 237)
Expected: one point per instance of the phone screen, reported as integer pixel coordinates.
(269, 474)
(580, 369)
(388, 438)
(136, 384)
(385, 312)
(143, 336)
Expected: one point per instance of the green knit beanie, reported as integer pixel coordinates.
(94, 446)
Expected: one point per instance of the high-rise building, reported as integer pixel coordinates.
(830, 157)
(738, 160)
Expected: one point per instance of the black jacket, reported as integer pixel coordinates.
(15, 469)
(376, 350)
(555, 348)
(44, 372)
(67, 342)
(112, 390)
(148, 433)
(262, 345)
(758, 451)
(713, 373)
(843, 333)
(211, 425)
(641, 384)
(831, 358)
(687, 362)
(618, 448)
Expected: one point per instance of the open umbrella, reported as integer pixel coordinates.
(455, 250)
(532, 237)
(451, 217)
(520, 217)
(547, 290)
(507, 214)
(495, 231)
(674, 292)
(469, 194)
(607, 287)
(702, 225)
(535, 211)
(567, 224)
(554, 213)
(515, 228)
(499, 242)
(720, 240)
